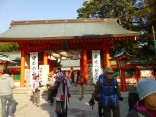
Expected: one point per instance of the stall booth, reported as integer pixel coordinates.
(4, 61)
(44, 43)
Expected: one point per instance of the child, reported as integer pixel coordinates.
(146, 105)
(36, 90)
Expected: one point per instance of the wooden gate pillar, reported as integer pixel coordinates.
(22, 69)
(45, 58)
(85, 67)
(81, 62)
(51, 66)
(2, 68)
(123, 81)
(137, 75)
(107, 57)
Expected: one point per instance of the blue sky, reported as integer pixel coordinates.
(37, 10)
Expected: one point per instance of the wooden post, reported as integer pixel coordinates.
(107, 57)
(137, 75)
(12, 75)
(81, 62)
(123, 82)
(22, 69)
(51, 65)
(85, 67)
(45, 58)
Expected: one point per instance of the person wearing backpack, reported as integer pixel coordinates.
(62, 95)
(146, 105)
(109, 91)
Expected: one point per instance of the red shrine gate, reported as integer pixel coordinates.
(54, 36)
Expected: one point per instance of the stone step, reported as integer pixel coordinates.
(73, 90)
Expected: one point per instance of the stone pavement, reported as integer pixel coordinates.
(25, 108)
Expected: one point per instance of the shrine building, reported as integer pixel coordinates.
(44, 43)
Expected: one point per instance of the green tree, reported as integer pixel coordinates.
(136, 15)
(8, 47)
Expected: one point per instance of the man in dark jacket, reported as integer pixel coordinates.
(109, 91)
(6, 88)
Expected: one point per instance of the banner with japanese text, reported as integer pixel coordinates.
(43, 73)
(96, 65)
(33, 66)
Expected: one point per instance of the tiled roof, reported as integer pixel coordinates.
(57, 29)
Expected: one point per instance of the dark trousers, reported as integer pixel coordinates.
(7, 109)
(100, 109)
(114, 109)
(60, 110)
(50, 96)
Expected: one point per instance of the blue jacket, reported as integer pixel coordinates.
(107, 96)
(108, 92)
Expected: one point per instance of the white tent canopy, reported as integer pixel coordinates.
(5, 58)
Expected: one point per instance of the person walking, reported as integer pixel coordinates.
(146, 105)
(62, 97)
(68, 83)
(72, 77)
(36, 90)
(109, 91)
(51, 86)
(6, 94)
(81, 81)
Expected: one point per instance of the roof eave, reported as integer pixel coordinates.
(116, 37)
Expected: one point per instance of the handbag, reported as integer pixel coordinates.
(62, 97)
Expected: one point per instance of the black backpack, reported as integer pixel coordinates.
(133, 97)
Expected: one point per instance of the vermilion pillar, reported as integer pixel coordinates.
(123, 82)
(85, 67)
(45, 58)
(12, 75)
(2, 66)
(81, 61)
(51, 63)
(22, 69)
(137, 75)
(107, 56)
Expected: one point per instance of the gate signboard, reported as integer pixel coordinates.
(33, 66)
(96, 65)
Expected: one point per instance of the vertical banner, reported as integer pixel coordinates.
(43, 73)
(33, 66)
(96, 65)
